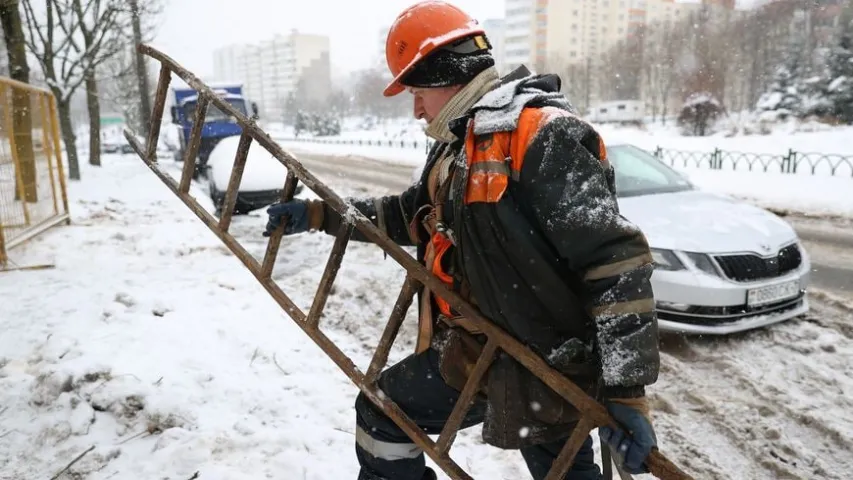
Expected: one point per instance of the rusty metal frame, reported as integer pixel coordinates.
(593, 414)
(4, 258)
(51, 140)
(7, 93)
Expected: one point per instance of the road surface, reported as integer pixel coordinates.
(829, 242)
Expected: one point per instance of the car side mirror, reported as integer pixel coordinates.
(255, 114)
(174, 112)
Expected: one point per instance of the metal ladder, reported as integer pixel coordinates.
(593, 414)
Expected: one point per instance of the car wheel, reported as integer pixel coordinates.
(216, 196)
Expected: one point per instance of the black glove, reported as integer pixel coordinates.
(630, 450)
(294, 215)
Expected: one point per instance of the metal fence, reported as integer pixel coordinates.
(791, 162)
(375, 142)
(32, 181)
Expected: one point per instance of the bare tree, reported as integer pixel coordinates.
(119, 88)
(619, 73)
(729, 55)
(4, 60)
(667, 63)
(575, 80)
(13, 36)
(100, 24)
(368, 98)
(70, 39)
(141, 71)
(62, 68)
(127, 84)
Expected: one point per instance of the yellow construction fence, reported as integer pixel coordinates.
(32, 179)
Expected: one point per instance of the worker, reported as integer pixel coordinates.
(516, 211)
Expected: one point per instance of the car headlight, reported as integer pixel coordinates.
(666, 260)
(703, 262)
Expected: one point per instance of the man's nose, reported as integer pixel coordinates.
(416, 108)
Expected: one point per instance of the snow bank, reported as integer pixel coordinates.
(779, 142)
(150, 342)
(812, 195)
(363, 128)
(819, 194)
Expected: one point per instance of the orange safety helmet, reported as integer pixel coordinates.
(418, 31)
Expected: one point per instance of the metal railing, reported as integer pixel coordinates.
(424, 144)
(593, 414)
(32, 181)
(791, 162)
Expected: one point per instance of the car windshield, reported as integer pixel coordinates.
(213, 113)
(640, 173)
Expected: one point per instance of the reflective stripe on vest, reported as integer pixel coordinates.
(496, 157)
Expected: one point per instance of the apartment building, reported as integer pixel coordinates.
(575, 35)
(496, 32)
(518, 33)
(541, 32)
(274, 68)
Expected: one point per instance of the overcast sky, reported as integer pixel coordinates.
(352, 26)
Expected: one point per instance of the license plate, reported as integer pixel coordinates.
(772, 293)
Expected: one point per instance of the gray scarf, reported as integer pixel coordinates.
(464, 99)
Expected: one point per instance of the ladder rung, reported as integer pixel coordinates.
(157, 112)
(330, 273)
(463, 404)
(564, 460)
(275, 239)
(194, 143)
(392, 328)
(234, 182)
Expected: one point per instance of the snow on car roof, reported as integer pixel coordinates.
(220, 93)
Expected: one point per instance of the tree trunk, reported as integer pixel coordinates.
(68, 137)
(141, 72)
(94, 107)
(22, 123)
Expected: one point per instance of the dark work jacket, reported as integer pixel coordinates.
(552, 262)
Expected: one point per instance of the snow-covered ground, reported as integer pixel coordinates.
(151, 343)
(818, 194)
(148, 324)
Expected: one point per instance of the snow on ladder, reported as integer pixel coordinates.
(593, 414)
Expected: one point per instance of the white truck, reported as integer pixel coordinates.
(618, 111)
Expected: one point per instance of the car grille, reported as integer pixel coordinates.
(709, 316)
(745, 268)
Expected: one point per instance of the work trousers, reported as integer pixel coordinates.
(415, 384)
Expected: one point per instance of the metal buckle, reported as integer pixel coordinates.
(446, 231)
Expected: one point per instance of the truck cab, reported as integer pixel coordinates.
(217, 125)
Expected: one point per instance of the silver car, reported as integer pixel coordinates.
(722, 265)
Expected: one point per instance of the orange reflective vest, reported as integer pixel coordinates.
(492, 160)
